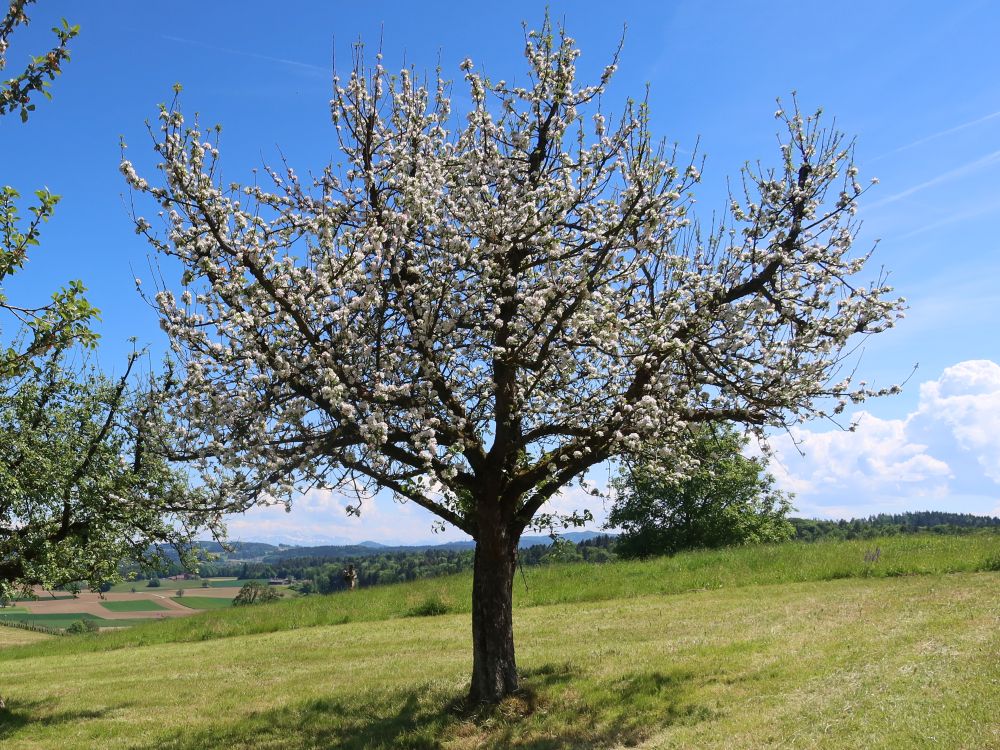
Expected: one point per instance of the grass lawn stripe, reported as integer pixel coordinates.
(133, 605)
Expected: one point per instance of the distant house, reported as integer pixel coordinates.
(279, 581)
(182, 577)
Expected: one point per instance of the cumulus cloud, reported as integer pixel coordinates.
(320, 517)
(967, 399)
(943, 455)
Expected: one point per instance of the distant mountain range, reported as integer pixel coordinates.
(264, 552)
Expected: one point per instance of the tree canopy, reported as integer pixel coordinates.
(82, 487)
(471, 311)
(728, 500)
(36, 328)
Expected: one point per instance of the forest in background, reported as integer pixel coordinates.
(319, 569)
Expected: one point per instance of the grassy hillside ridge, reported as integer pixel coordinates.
(570, 583)
(877, 663)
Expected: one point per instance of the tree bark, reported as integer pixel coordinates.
(494, 671)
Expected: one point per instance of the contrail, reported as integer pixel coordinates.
(946, 177)
(952, 219)
(281, 60)
(940, 134)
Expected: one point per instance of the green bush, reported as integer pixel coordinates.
(153, 583)
(255, 593)
(991, 564)
(82, 626)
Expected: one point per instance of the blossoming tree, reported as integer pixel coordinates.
(471, 313)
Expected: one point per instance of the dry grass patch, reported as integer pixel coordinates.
(18, 637)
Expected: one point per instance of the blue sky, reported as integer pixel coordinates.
(918, 84)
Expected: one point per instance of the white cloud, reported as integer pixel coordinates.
(320, 517)
(967, 399)
(944, 455)
(944, 451)
(576, 499)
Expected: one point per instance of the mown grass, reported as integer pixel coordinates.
(204, 602)
(18, 637)
(133, 605)
(883, 662)
(577, 583)
(55, 621)
(62, 620)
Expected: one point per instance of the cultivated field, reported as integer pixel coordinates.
(190, 585)
(764, 650)
(116, 606)
(120, 609)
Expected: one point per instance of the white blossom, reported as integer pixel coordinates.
(492, 303)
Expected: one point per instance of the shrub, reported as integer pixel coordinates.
(990, 564)
(153, 583)
(82, 626)
(255, 593)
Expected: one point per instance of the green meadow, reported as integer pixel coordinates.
(138, 605)
(63, 620)
(786, 646)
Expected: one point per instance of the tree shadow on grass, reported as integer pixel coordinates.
(19, 714)
(556, 709)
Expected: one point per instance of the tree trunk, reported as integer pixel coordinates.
(494, 672)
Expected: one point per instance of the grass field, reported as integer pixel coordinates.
(191, 585)
(18, 637)
(575, 583)
(772, 647)
(134, 605)
(64, 620)
(204, 602)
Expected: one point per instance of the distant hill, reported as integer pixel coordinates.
(888, 524)
(806, 529)
(368, 549)
(237, 552)
(243, 550)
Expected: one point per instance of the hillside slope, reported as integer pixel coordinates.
(568, 583)
(879, 663)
